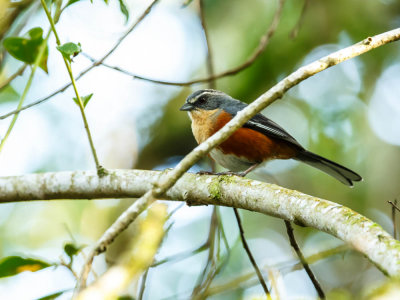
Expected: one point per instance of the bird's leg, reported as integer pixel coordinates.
(240, 174)
(244, 173)
(206, 173)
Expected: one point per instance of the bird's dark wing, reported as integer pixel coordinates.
(269, 128)
(261, 123)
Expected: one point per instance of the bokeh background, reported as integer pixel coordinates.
(349, 113)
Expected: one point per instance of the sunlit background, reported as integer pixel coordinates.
(349, 113)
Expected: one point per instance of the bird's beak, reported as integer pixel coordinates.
(187, 107)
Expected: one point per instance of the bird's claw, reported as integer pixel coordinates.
(230, 173)
(206, 173)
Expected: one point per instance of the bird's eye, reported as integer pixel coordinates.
(201, 100)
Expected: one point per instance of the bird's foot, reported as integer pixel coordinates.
(205, 173)
(230, 173)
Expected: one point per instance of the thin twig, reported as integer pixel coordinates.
(180, 256)
(295, 31)
(296, 248)
(214, 228)
(394, 207)
(144, 247)
(264, 41)
(394, 204)
(69, 267)
(260, 48)
(16, 111)
(250, 255)
(143, 284)
(100, 170)
(19, 72)
(210, 65)
(167, 180)
(216, 263)
(94, 64)
(28, 84)
(211, 276)
(123, 221)
(211, 247)
(247, 280)
(222, 231)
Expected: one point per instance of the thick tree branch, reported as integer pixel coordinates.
(356, 230)
(276, 92)
(269, 97)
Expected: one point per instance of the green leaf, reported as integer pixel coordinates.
(70, 2)
(85, 99)
(71, 249)
(52, 296)
(8, 94)
(126, 297)
(27, 49)
(36, 33)
(70, 49)
(124, 9)
(43, 61)
(186, 3)
(13, 265)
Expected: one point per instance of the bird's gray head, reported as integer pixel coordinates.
(205, 100)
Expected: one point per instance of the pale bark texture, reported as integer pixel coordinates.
(356, 230)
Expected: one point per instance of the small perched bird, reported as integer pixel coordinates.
(259, 140)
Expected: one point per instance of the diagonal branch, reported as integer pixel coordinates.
(95, 63)
(276, 92)
(264, 41)
(303, 261)
(41, 51)
(101, 171)
(355, 230)
(19, 72)
(260, 48)
(134, 261)
(250, 255)
(210, 64)
(166, 181)
(247, 279)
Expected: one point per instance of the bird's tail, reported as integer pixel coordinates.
(337, 171)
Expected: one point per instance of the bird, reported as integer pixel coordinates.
(257, 141)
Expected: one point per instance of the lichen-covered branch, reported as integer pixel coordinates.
(276, 92)
(356, 230)
(167, 181)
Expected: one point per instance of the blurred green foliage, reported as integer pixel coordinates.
(235, 28)
(13, 265)
(26, 49)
